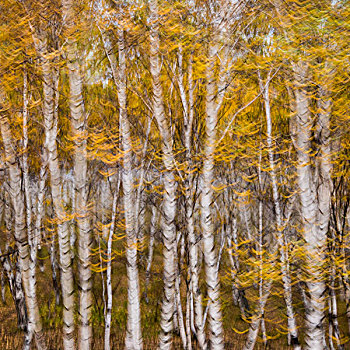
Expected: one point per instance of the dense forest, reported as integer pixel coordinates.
(174, 174)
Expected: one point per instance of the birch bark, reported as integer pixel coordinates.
(314, 193)
(13, 271)
(14, 278)
(283, 250)
(40, 202)
(18, 201)
(153, 223)
(210, 259)
(133, 339)
(34, 324)
(108, 315)
(78, 126)
(169, 200)
(50, 105)
(256, 320)
(188, 112)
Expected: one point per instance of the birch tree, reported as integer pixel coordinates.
(214, 97)
(283, 250)
(78, 125)
(169, 200)
(134, 336)
(196, 152)
(314, 199)
(187, 101)
(21, 237)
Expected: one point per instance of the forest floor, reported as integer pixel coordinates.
(235, 328)
(11, 338)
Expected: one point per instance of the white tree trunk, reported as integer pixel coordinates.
(140, 202)
(256, 320)
(53, 261)
(40, 201)
(237, 292)
(133, 340)
(14, 278)
(134, 337)
(188, 112)
(260, 252)
(283, 249)
(50, 105)
(154, 219)
(188, 318)
(78, 125)
(169, 200)
(18, 201)
(178, 311)
(108, 315)
(314, 193)
(34, 324)
(210, 259)
(333, 310)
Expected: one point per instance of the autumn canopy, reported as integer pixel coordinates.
(174, 174)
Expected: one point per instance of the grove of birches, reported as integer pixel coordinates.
(174, 174)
